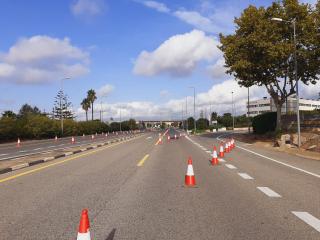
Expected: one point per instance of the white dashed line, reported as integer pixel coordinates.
(230, 166)
(221, 160)
(23, 151)
(4, 154)
(37, 149)
(309, 219)
(208, 151)
(269, 192)
(245, 176)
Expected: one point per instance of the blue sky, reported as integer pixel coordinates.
(138, 55)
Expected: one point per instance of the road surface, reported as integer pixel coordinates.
(135, 190)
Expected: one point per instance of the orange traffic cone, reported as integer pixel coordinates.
(18, 142)
(214, 160)
(92, 137)
(73, 140)
(190, 179)
(84, 226)
(229, 146)
(221, 151)
(233, 143)
(55, 138)
(168, 138)
(226, 149)
(160, 140)
(175, 136)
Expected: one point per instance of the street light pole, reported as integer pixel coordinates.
(187, 114)
(248, 112)
(194, 108)
(232, 113)
(293, 22)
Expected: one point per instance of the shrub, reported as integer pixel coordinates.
(264, 123)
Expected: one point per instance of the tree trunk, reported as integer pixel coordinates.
(87, 115)
(278, 106)
(92, 111)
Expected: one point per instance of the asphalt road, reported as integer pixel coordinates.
(10, 150)
(135, 190)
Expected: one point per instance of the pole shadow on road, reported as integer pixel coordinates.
(111, 234)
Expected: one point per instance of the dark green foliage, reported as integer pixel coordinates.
(264, 123)
(190, 123)
(202, 123)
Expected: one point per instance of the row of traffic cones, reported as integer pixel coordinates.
(190, 179)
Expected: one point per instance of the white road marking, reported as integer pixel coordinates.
(309, 219)
(274, 160)
(269, 192)
(148, 137)
(22, 151)
(4, 154)
(230, 166)
(208, 151)
(221, 160)
(37, 149)
(245, 176)
(50, 146)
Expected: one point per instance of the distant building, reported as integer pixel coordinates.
(267, 105)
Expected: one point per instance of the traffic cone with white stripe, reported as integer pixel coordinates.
(221, 151)
(92, 137)
(55, 138)
(168, 138)
(84, 226)
(233, 143)
(229, 145)
(175, 136)
(73, 140)
(18, 142)
(214, 160)
(226, 149)
(160, 140)
(190, 179)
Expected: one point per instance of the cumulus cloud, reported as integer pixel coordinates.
(41, 59)
(105, 90)
(87, 8)
(160, 7)
(178, 56)
(217, 70)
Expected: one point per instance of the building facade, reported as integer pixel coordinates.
(260, 106)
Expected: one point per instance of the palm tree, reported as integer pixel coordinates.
(91, 96)
(85, 106)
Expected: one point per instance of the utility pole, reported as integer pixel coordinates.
(187, 112)
(232, 113)
(194, 109)
(248, 112)
(120, 121)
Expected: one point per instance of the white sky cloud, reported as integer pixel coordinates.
(160, 7)
(105, 90)
(217, 70)
(178, 56)
(87, 8)
(42, 59)
(196, 20)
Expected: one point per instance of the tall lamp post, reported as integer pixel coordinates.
(293, 22)
(194, 108)
(232, 112)
(61, 113)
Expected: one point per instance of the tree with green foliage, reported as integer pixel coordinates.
(190, 121)
(202, 123)
(91, 96)
(9, 114)
(85, 104)
(27, 110)
(225, 120)
(214, 116)
(62, 107)
(261, 51)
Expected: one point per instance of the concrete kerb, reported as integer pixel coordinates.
(46, 159)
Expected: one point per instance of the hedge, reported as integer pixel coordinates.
(264, 123)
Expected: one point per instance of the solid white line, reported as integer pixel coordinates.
(37, 149)
(3, 154)
(309, 219)
(208, 151)
(230, 166)
(245, 176)
(269, 192)
(285, 164)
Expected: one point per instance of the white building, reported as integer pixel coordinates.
(267, 105)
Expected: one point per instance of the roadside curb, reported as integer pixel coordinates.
(47, 159)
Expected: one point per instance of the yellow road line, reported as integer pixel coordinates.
(141, 162)
(63, 161)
